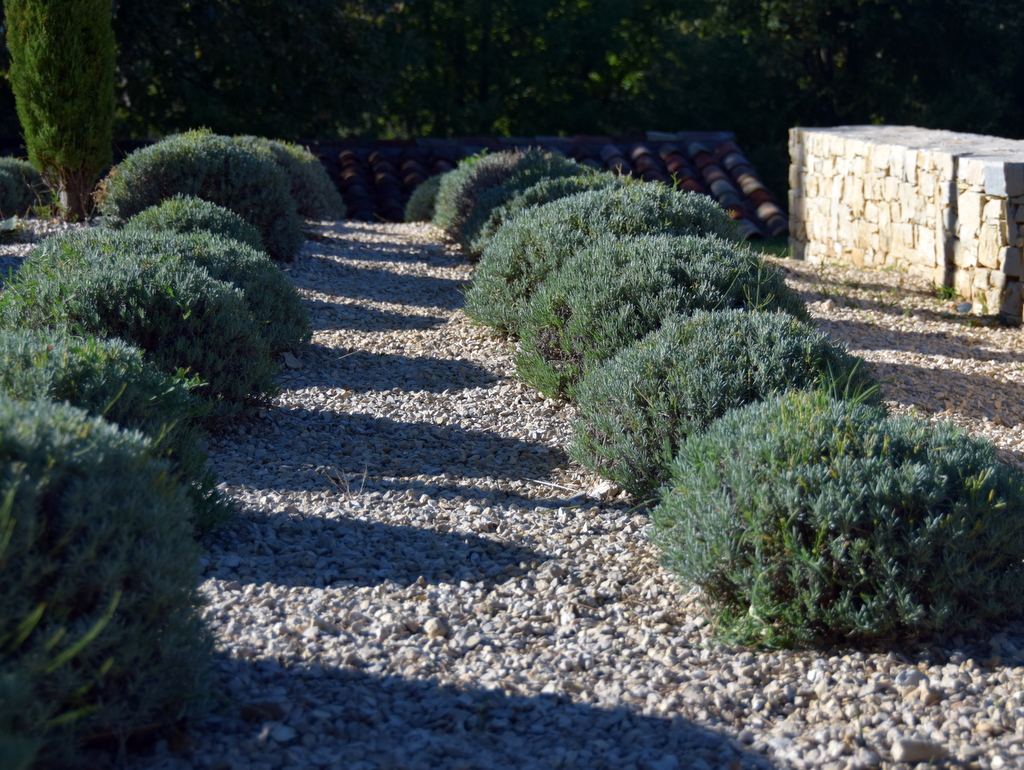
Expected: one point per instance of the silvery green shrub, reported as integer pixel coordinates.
(99, 626)
(181, 317)
(245, 178)
(616, 290)
(810, 520)
(635, 410)
(111, 379)
(186, 214)
(528, 248)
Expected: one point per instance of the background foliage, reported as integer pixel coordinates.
(320, 69)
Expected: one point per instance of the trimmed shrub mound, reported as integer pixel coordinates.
(637, 408)
(810, 520)
(611, 293)
(542, 192)
(245, 179)
(186, 213)
(172, 309)
(464, 190)
(420, 207)
(537, 242)
(449, 192)
(20, 186)
(315, 194)
(99, 629)
(534, 166)
(276, 307)
(110, 379)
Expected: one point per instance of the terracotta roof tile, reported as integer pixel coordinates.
(376, 178)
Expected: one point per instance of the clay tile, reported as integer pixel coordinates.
(692, 185)
(640, 151)
(347, 155)
(696, 148)
(677, 165)
(728, 199)
(725, 147)
(667, 149)
(441, 166)
(767, 210)
(777, 226)
(734, 159)
(714, 173)
(703, 159)
(413, 179)
(383, 166)
(610, 152)
(748, 230)
(648, 163)
(759, 196)
(751, 185)
(384, 154)
(413, 166)
(654, 176)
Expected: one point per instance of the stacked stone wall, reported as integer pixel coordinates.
(944, 205)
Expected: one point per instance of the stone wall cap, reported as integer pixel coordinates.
(990, 149)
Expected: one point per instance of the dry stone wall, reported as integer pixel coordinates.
(945, 205)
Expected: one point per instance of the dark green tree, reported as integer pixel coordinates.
(62, 75)
(303, 69)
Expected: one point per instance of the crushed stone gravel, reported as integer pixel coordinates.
(419, 577)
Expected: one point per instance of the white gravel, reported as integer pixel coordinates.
(420, 578)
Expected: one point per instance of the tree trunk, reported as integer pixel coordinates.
(75, 194)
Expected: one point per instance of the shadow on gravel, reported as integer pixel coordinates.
(357, 718)
(361, 371)
(327, 316)
(547, 498)
(349, 551)
(383, 286)
(974, 396)
(392, 448)
(871, 337)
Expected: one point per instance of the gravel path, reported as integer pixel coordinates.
(420, 578)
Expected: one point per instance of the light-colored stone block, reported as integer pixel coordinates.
(968, 215)
(926, 183)
(925, 239)
(962, 283)
(990, 242)
(910, 166)
(879, 155)
(1004, 179)
(948, 206)
(1012, 305)
(1010, 261)
(971, 171)
(994, 209)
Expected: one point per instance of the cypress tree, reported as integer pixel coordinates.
(62, 75)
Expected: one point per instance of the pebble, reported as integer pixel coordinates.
(914, 751)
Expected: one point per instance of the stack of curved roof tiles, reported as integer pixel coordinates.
(376, 178)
